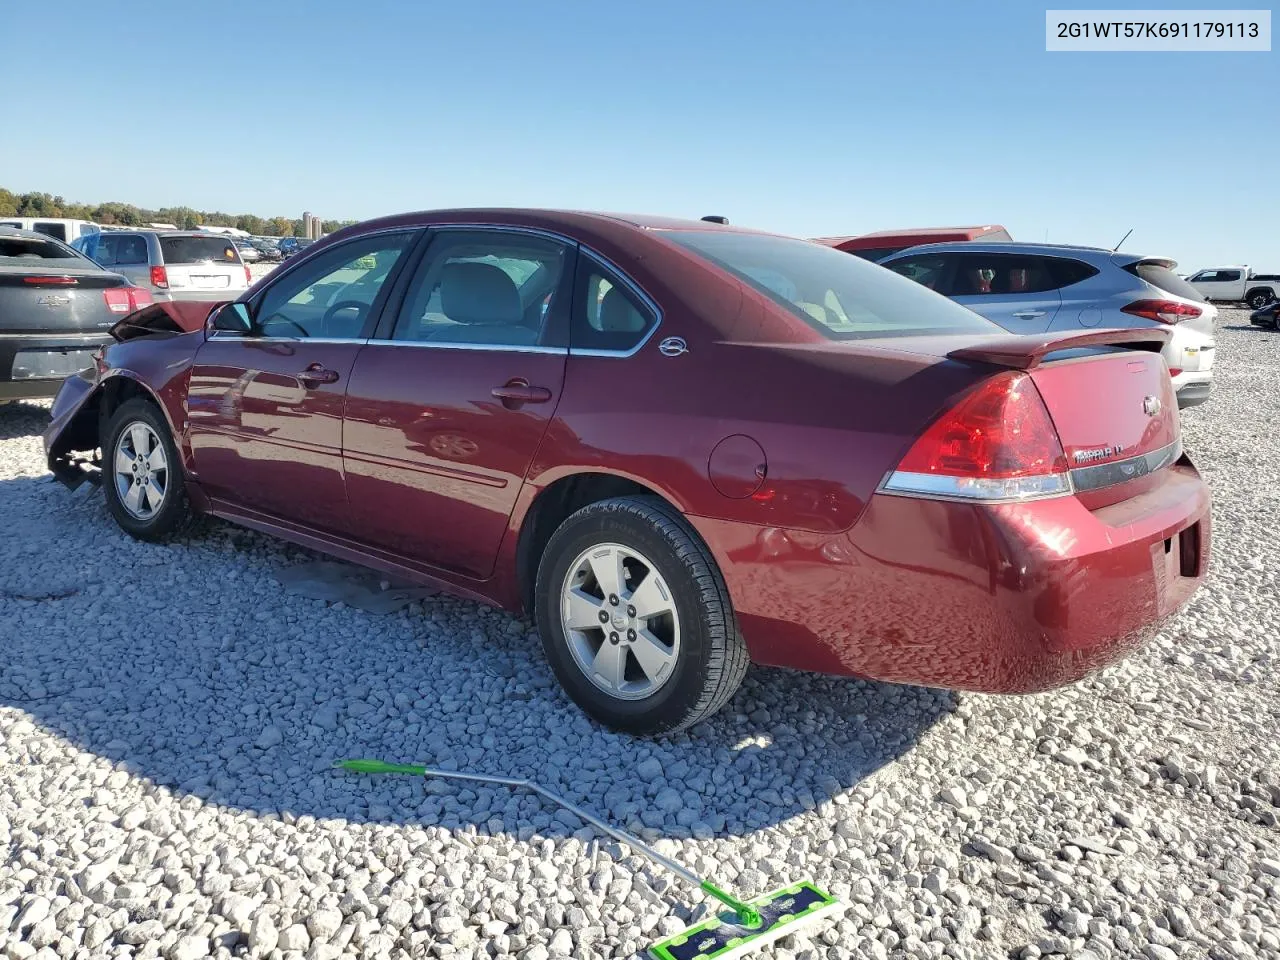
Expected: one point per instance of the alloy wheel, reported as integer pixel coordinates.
(620, 619)
(141, 470)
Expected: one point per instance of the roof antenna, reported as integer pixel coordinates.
(1122, 240)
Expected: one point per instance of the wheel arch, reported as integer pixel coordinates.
(555, 502)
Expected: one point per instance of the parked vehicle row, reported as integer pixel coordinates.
(171, 265)
(1033, 288)
(843, 471)
(1237, 284)
(56, 307)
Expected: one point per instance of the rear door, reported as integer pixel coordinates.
(1017, 291)
(448, 404)
(202, 266)
(265, 410)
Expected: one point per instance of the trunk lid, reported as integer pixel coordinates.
(68, 300)
(204, 264)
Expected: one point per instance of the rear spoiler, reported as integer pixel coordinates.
(1026, 353)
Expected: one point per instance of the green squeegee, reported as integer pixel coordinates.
(744, 927)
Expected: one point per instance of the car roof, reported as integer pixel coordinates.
(550, 219)
(1090, 254)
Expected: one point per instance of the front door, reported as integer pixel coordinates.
(447, 405)
(265, 408)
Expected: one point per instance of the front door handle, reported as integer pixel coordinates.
(1029, 314)
(516, 393)
(316, 374)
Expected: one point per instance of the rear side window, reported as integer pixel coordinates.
(1162, 278)
(1066, 271)
(607, 315)
(842, 297)
(198, 250)
(18, 249)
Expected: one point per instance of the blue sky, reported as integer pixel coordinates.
(811, 118)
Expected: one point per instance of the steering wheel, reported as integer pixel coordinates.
(358, 305)
(281, 318)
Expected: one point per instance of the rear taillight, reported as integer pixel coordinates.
(1163, 311)
(50, 281)
(1174, 371)
(126, 299)
(248, 275)
(998, 443)
(159, 278)
(117, 299)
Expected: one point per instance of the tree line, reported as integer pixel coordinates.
(127, 215)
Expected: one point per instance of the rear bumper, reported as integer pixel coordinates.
(33, 388)
(1194, 391)
(1009, 598)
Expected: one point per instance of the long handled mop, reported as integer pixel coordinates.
(745, 926)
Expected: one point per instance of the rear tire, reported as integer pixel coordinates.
(1257, 299)
(668, 653)
(142, 475)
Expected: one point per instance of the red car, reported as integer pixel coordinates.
(885, 243)
(681, 446)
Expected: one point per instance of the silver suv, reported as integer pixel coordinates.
(1035, 288)
(173, 265)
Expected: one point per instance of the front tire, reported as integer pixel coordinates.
(142, 476)
(635, 617)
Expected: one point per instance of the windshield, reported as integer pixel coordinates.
(198, 250)
(841, 296)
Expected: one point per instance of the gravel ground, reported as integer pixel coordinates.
(168, 717)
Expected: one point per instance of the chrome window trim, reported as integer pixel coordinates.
(232, 335)
(447, 345)
(1099, 476)
(606, 264)
(287, 267)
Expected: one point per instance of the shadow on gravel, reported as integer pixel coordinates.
(189, 665)
(22, 419)
(1248, 326)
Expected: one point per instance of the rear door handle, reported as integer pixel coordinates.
(1029, 314)
(315, 375)
(515, 393)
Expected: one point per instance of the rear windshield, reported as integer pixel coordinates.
(1162, 278)
(198, 250)
(842, 297)
(28, 248)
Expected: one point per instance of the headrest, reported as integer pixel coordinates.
(479, 293)
(617, 315)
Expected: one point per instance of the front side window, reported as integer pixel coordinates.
(928, 270)
(333, 295)
(483, 288)
(842, 297)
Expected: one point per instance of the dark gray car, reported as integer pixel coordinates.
(56, 307)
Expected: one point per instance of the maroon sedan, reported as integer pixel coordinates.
(681, 446)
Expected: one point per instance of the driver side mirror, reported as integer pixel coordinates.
(234, 318)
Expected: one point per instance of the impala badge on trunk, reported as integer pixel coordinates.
(1096, 453)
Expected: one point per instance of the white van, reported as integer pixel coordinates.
(59, 228)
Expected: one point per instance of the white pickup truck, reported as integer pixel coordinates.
(1237, 283)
